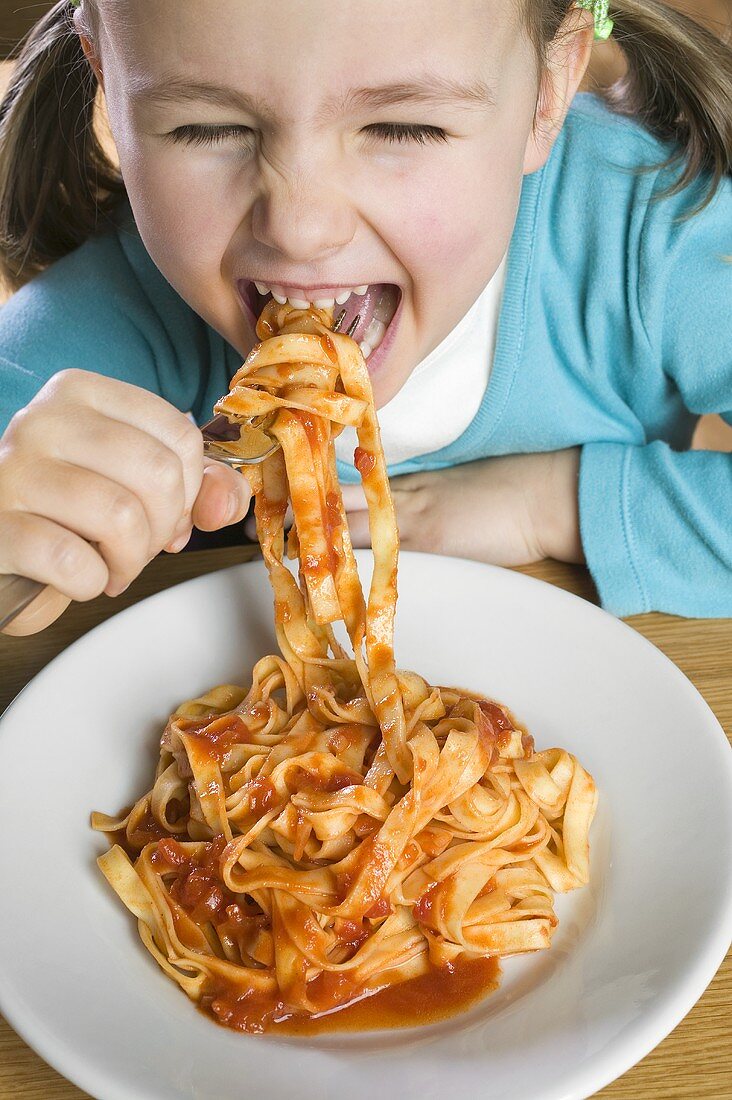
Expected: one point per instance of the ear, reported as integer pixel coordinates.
(568, 56)
(89, 51)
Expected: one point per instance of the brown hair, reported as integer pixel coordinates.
(678, 81)
(57, 185)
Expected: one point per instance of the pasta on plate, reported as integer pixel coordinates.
(340, 832)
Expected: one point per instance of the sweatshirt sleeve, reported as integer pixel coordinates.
(104, 308)
(657, 523)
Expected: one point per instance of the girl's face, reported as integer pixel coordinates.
(318, 147)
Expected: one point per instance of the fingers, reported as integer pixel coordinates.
(40, 613)
(180, 537)
(358, 525)
(155, 473)
(354, 498)
(354, 503)
(223, 497)
(250, 527)
(35, 547)
(125, 404)
(124, 456)
(105, 513)
(105, 461)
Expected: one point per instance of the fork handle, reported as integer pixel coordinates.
(15, 595)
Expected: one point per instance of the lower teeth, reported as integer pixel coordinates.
(382, 317)
(375, 333)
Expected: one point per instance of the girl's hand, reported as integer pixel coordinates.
(507, 511)
(96, 478)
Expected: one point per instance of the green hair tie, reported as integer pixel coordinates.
(599, 9)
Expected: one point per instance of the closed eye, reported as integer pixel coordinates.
(200, 134)
(392, 132)
(401, 133)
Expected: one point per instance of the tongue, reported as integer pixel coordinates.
(380, 302)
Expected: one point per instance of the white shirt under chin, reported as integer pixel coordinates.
(431, 410)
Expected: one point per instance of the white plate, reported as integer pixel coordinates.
(633, 951)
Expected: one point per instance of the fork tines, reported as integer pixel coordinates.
(351, 328)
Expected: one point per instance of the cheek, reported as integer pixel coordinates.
(174, 205)
(457, 227)
(174, 196)
(187, 227)
(186, 216)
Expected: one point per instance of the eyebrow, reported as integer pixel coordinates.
(176, 90)
(429, 90)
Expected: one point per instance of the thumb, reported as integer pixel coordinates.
(40, 613)
(223, 497)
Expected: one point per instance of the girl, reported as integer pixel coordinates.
(542, 280)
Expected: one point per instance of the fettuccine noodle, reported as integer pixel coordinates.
(340, 826)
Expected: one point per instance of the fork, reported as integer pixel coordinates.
(17, 592)
(220, 430)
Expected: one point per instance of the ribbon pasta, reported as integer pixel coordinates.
(340, 826)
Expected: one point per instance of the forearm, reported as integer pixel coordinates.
(509, 510)
(656, 528)
(554, 505)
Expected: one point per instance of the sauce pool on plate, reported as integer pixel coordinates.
(441, 993)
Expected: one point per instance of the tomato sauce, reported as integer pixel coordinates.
(437, 995)
(331, 517)
(194, 882)
(216, 734)
(302, 780)
(313, 429)
(364, 461)
(262, 795)
(326, 343)
(146, 830)
(424, 908)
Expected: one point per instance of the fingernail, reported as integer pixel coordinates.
(177, 545)
(116, 590)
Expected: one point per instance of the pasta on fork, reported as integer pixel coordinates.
(340, 830)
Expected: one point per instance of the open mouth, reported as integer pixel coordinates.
(375, 304)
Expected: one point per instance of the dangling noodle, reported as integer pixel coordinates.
(340, 826)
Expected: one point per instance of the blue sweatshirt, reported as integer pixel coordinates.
(615, 334)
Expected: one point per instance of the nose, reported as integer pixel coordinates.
(302, 217)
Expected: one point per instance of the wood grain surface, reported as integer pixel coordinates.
(693, 1063)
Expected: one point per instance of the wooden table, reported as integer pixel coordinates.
(693, 1063)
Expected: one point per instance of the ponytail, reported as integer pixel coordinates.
(678, 84)
(56, 182)
(678, 81)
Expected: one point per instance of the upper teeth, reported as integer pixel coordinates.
(382, 312)
(278, 294)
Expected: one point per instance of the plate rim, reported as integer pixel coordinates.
(653, 1026)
